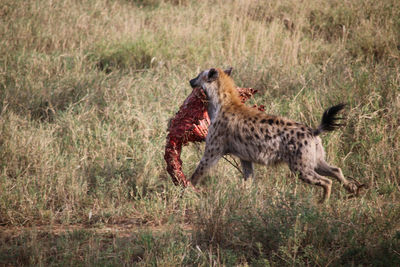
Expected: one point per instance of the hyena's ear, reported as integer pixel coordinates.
(212, 75)
(228, 71)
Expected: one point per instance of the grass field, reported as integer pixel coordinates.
(86, 92)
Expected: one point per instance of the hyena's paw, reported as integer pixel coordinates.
(354, 187)
(351, 187)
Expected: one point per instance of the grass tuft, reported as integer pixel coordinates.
(122, 55)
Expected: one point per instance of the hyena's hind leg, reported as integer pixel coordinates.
(247, 167)
(323, 168)
(308, 175)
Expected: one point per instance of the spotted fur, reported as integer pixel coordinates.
(255, 137)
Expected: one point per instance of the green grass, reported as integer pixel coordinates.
(86, 92)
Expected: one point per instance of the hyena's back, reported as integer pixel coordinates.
(266, 139)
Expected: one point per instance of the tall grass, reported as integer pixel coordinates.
(87, 89)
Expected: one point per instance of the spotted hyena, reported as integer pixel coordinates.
(255, 137)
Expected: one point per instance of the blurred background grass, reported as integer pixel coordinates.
(87, 89)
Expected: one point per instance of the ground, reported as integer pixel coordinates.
(86, 92)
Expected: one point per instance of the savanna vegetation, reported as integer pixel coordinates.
(86, 92)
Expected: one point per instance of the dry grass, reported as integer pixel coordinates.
(87, 88)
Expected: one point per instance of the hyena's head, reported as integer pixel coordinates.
(208, 81)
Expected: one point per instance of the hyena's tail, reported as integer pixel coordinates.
(329, 119)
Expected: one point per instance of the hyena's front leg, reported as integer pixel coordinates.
(210, 158)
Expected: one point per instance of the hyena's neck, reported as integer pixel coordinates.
(224, 97)
(214, 103)
(213, 110)
(220, 105)
(228, 96)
